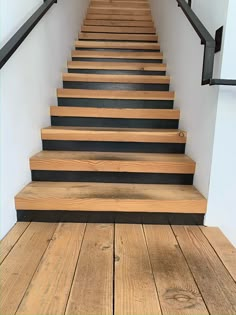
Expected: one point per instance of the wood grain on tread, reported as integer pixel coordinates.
(118, 17)
(212, 278)
(112, 162)
(131, 37)
(224, 249)
(116, 65)
(114, 134)
(176, 287)
(116, 44)
(118, 29)
(49, 290)
(118, 4)
(116, 94)
(143, 24)
(121, 78)
(19, 267)
(9, 241)
(135, 291)
(67, 111)
(119, 11)
(92, 289)
(117, 55)
(110, 197)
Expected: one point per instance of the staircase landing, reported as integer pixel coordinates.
(86, 269)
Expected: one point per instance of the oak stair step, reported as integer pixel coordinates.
(95, 22)
(116, 94)
(116, 45)
(117, 55)
(110, 197)
(114, 134)
(118, 17)
(83, 77)
(116, 66)
(70, 111)
(121, 11)
(127, 37)
(118, 29)
(118, 4)
(112, 162)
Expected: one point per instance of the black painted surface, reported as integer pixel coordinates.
(115, 86)
(116, 59)
(100, 71)
(114, 103)
(114, 122)
(112, 177)
(106, 146)
(110, 217)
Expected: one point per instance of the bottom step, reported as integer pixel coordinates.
(111, 197)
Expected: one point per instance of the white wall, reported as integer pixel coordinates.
(28, 87)
(221, 203)
(184, 56)
(208, 114)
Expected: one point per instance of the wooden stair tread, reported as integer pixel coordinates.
(116, 94)
(113, 134)
(107, 36)
(112, 162)
(116, 44)
(118, 29)
(118, 4)
(73, 111)
(117, 55)
(119, 17)
(121, 78)
(116, 65)
(123, 11)
(95, 22)
(110, 197)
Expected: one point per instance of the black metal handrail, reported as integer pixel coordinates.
(15, 41)
(209, 47)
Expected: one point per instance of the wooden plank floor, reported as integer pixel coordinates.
(91, 269)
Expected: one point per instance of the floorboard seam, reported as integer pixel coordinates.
(15, 242)
(43, 254)
(190, 271)
(76, 265)
(215, 251)
(114, 268)
(150, 261)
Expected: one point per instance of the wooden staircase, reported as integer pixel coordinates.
(114, 152)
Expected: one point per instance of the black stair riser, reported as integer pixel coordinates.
(118, 40)
(109, 146)
(115, 103)
(112, 177)
(115, 86)
(114, 122)
(116, 60)
(110, 217)
(117, 49)
(133, 72)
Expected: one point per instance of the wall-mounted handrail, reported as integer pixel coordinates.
(15, 41)
(209, 46)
